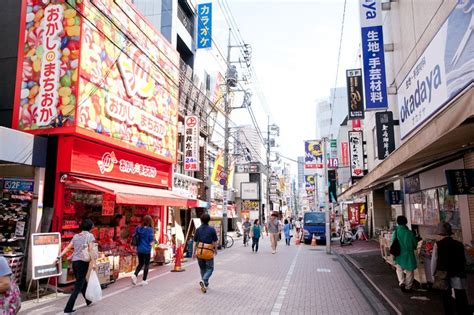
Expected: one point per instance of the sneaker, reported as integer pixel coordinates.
(144, 283)
(203, 286)
(134, 280)
(71, 312)
(273, 251)
(402, 287)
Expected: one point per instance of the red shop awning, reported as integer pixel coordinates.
(130, 194)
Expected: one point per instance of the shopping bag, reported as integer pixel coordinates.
(93, 291)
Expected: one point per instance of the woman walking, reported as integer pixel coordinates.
(83, 256)
(145, 240)
(287, 231)
(406, 261)
(256, 232)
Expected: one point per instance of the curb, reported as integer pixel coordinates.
(374, 296)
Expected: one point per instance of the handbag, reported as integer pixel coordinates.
(135, 239)
(440, 280)
(395, 248)
(205, 251)
(10, 301)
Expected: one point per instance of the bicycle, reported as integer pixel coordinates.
(229, 241)
(346, 237)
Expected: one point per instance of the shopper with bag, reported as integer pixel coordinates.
(448, 266)
(287, 231)
(83, 256)
(204, 249)
(143, 240)
(10, 301)
(405, 260)
(255, 234)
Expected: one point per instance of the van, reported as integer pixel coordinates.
(314, 223)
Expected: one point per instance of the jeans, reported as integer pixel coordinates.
(143, 261)
(80, 271)
(207, 267)
(460, 303)
(255, 243)
(288, 240)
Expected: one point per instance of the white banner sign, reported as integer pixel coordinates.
(356, 153)
(249, 191)
(45, 249)
(191, 143)
(445, 68)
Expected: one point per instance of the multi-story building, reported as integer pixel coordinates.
(428, 177)
(249, 146)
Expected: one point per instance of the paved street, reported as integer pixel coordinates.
(296, 280)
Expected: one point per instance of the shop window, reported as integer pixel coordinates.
(416, 207)
(449, 208)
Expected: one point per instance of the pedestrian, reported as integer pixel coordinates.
(406, 261)
(83, 257)
(146, 238)
(205, 240)
(256, 233)
(274, 228)
(287, 231)
(246, 226)
(10, 301)
(448, 265)
(298, 225)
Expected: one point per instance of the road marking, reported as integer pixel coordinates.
(284, 288)
(323, 270)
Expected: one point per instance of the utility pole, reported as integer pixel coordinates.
(326, 198)
(226, 146)
(268, 171)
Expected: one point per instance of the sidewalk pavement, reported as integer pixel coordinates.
(365, 258)
(295, 280)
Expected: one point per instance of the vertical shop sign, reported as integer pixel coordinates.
(356, 154)
(204, 30)
(355, 94)
(375, 86)
(332, 182)
(385, 134)
(313, 154)
(333, 146)
(356, 124)
(191, 143)
(354, 213)
(344, 154)
(52, 26)
(108, 204)
(309, 185)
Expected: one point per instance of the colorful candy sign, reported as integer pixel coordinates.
(97, 65)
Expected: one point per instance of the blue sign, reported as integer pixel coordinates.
(18, 184)
(204, 29)
(375, 86)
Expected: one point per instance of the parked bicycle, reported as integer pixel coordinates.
(346, 237)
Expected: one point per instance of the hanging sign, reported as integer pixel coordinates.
(45, 248)
(344, 153)
(385, 134)
(355, 94)
(313, 154)
(394, 197)
(460, 182)
(356, 154)
(191, 143)
(375, 85)
(108, 204)
(204, 30)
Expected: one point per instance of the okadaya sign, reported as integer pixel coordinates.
(444, 69)
(375, 85)
(45, 249)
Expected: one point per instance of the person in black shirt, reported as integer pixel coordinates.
(205, 234)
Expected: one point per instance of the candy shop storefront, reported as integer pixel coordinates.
(100, 81)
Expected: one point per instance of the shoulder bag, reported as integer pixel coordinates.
(440, 280)
(204, 251)
(135, 239)
(85, 253)
(395, 248)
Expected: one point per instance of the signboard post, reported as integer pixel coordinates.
(355, 94)
(204, 31)
(191, 143)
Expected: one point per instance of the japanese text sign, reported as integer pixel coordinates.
(375, 85)
(393, 197)
(385, 134)
(44, 250)
(344, 154)
(313, 154)
(356, 154)
(355, 94)
(460, 182)
(191, 143)
(204, 29)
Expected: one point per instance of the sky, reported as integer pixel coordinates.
(295, 48)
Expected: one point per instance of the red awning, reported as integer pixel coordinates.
(130, 194)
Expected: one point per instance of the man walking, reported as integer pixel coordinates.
(205, 239)
(274, 228)
(246, 226)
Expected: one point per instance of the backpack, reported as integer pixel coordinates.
(135, 238)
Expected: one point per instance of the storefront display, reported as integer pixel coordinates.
(16, 196)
